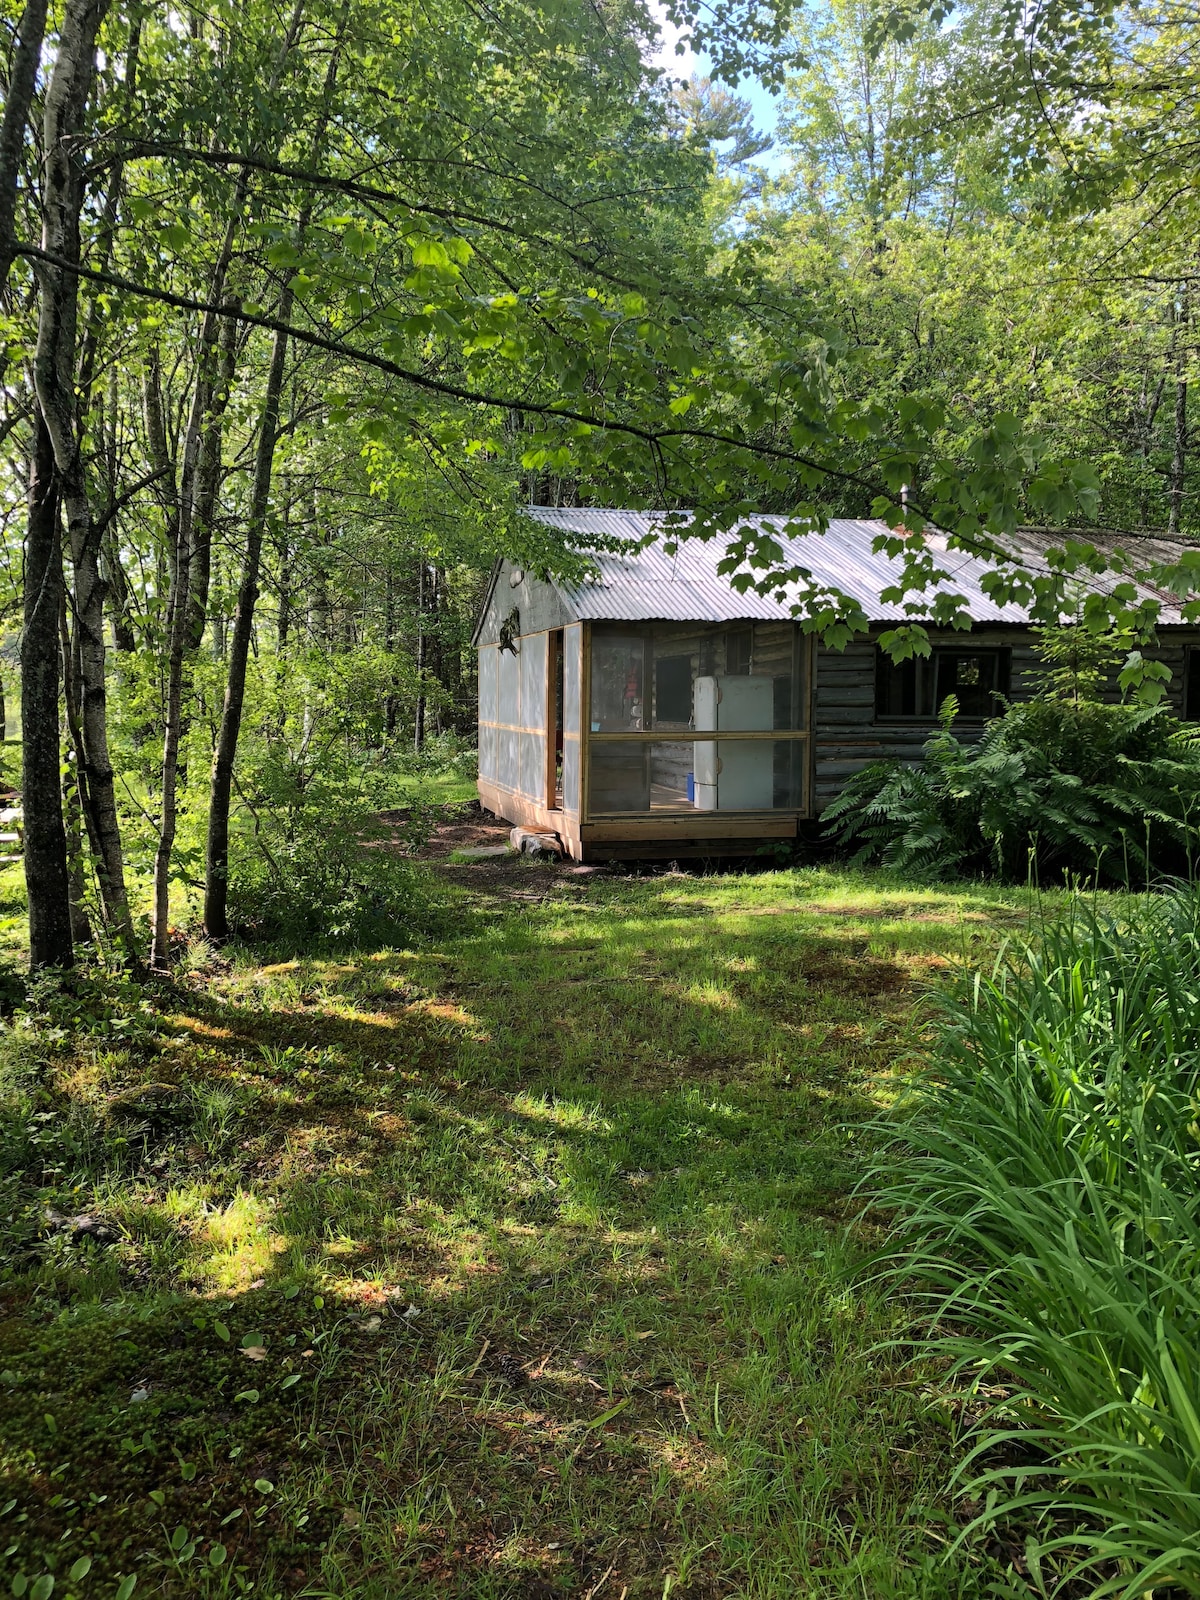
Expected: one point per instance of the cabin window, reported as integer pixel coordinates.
(1191, 684)
(646, 679)
(916, 689)
(663, 694)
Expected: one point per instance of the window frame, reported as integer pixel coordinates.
(883, 663)
(1189, 697)
(801, 675)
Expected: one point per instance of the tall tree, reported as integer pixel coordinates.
(45, 852)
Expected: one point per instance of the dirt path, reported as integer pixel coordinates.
(467, 826)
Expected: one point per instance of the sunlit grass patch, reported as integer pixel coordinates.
(543, 1228)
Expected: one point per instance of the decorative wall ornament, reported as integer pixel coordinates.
(510, 630)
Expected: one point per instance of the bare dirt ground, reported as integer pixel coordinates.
(467, 826)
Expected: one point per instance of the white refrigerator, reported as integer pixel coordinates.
(741, 777)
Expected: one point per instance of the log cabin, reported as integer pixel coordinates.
(653, 711)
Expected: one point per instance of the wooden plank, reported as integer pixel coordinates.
(692, 735)
(668, 828)
(671, 850)
(553, 657)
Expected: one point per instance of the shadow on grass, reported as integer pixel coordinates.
(506, 1270)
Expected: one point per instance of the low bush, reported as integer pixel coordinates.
(1052, 788)
(317, 874)
(1043, 1176)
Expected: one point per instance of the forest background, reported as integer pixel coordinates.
(304, 305)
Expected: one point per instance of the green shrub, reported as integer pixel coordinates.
(1053, 786)
(317, 874)
(1044, 1180)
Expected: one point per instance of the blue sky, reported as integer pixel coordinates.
(764, 104)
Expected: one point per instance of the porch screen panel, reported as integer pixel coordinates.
(487, 713)
(487, 684)
(508, 719)
(508, 758)
(534, 663)
(572, 657)
(508, 689)
(532, 659)
(697, 717)
(487, 751)
(532, 748)
(570, 774)
(572, 677)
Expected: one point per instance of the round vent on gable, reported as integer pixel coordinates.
(516, 577)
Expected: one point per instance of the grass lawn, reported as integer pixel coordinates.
(514, 1264)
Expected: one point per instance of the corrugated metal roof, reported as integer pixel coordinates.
(686, 587)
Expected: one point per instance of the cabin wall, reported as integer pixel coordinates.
(847, 735)
(538, 605)
(513, 736)
(517, 732)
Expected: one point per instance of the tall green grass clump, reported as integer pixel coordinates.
(1044, 1182)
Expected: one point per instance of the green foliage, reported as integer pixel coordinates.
(318, 868)
(13, 988)
(1078, 661)
(311, 860)
(1052, 788)
(356, 1200)
(1044, 1176)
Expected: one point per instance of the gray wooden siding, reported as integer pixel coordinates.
(847, 735)
(539, 605)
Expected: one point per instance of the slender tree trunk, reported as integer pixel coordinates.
(283, 546)
(45, 837)
(419, 712)
(18, 101)
(391, 705)
(1180, 445)
(216, 888)
(200, 479)
(220, 632)
(177, 601)
(117, 591)
(190, 546)
(216, 892)
(54, 378)
(98, 311)
(208, 482)
(118, 597)
(73, 810)
(439, 665)
(1178, 459)
(320, 622)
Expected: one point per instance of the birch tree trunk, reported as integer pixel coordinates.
(54, 380)
(18, 101)
(45, 837)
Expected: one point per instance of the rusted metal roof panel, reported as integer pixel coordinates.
(650, 585)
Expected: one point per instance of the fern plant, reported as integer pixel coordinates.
(1054, 786)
